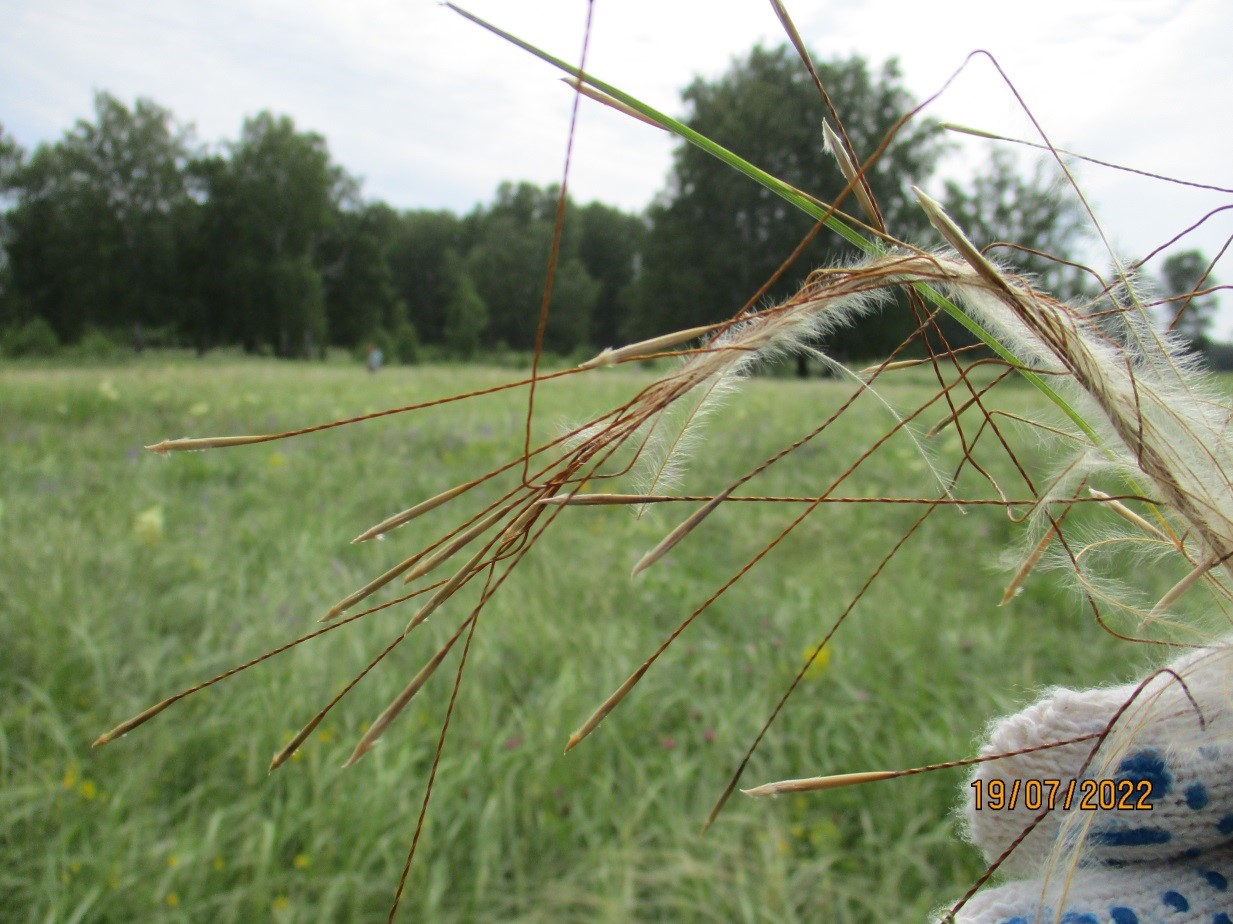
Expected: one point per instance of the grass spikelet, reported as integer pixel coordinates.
(461, 541)
(611, 102)
(370, 588)
(1028, 566)
(820, 783)
(411, 513)
(665, 545)
(834, 146)
(399, 703)
(1130, 516)
(461, 576)
(644, 348)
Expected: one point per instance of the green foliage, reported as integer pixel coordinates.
(610, 248)
(1183, 274)
(575, 294)
(466, 317)
(405, 342)
(716, 237)
(98, 345)
(418, 259)
(360, 291)
(91, 240)
(12, 156)
(508, 261)
(267, 244)
(268, 210)
(33, 338)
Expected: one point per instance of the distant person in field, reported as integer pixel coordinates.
(375, 358)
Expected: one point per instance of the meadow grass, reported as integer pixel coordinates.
(125, 576)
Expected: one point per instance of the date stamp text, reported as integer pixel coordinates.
(998, 795)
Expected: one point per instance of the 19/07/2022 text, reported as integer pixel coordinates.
(1034, 795)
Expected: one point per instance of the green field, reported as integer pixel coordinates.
(125, 576)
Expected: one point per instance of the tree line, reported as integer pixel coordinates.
(126, 225)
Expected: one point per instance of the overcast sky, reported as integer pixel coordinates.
(434, 113)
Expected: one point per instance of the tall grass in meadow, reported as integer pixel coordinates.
(127, 576)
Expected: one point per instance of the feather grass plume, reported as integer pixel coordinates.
(1157, 420)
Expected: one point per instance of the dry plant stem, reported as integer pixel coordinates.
(839, 621)
(416, 566)
(436, 759)
(145, 715)
(400, 702)
(1198, 289)
(419, 509)
(490, 588)
(554, 251)
(977, 398)
(930, 360)
(618, 500)
(1114, 504)
(222, 442)
(571, 464)
(680, 532)
(955, 412)
(981, 133)
(848, 169)
(446, 496)
(463, 539)
(1037, 553)
(1058, 159)
(1177, 590)
(1029, 564)
(370, 588)
(695, 519)
(464, 574)
(856, 179)
(1181, 234)
(820, 783)
(456, 540)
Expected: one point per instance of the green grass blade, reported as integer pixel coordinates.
(796, 197)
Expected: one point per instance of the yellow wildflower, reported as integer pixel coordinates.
(148, 525)
(821, 656)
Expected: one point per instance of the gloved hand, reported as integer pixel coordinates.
(1101, 856)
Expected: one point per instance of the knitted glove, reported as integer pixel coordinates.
(1100, 856)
